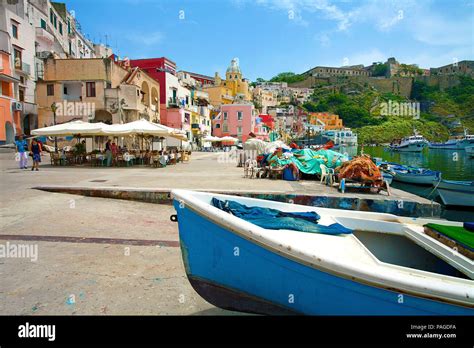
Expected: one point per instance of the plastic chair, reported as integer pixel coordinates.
(327, 175)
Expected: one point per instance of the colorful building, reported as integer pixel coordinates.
(238, 121)
(9, 110)
(96, 89)
(330, 121)
(175, 100)
(234, 89)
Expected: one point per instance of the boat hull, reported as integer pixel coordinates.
(418, 147)
(444, 146)
(415, 179)
(470, 151)
(456, 198)
(236, 273)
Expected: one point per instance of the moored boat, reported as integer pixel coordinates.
(470, 151)
(414, 143)
(387, 177)
(456, 143)
(384, 265)
(416, 176)
(455, 193)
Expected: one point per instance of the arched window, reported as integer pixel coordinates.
(218, 125)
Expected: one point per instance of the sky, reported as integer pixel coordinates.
(273, 36)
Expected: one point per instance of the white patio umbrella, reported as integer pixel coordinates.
(229, 139)
(145, 128)
(211, 139)
(71, 129)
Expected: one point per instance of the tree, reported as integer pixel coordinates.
(380, 69)
(354, 116)
(289, 77)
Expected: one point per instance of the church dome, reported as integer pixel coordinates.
(234, 67)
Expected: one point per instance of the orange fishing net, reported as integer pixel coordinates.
(360, 168)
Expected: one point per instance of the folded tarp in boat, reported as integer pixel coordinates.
(453, 236)
(274, 219)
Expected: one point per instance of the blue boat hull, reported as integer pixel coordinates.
(234, 273)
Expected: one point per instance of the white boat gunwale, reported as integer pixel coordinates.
(382, 279)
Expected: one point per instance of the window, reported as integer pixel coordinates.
(15, 30)
(239, 130)
(225, 128)
(49, 89)
(21, 92)
(65, 90)
(90, 89)
(17, 57)
(68, 26)
(218, 125)
(51, 16)
(43, 23)
(239, 115)
(55, 21)
(225, 115)
(60, 28)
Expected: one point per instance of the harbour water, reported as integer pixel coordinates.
(453, 164)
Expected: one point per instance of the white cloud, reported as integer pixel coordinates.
(419, 19)
(146, 39)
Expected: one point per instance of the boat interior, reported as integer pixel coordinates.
(401, 251)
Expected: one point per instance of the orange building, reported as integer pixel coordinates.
(331, 121)
(9, 111)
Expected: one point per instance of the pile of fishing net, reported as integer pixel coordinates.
(361, 169)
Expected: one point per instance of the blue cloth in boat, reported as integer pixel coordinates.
(274, 219)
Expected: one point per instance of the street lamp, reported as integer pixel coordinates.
(54, 108)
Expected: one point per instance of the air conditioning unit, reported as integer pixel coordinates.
(17, 106)
(44, 54)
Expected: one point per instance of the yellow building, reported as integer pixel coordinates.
(331, 121)
(233, 88)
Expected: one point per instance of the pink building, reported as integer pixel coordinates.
(237, 120)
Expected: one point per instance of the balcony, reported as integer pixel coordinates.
(44, 35)
(173, 102)
(23, 67)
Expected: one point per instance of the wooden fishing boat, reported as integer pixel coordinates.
(457, 193)
(385, 265)
(416, 176)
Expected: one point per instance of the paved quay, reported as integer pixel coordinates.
(109, 256)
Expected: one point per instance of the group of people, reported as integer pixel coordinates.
(23, 150)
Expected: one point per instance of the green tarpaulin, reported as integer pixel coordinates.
(308, 161)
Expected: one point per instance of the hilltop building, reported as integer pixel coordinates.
(234, 88)
(464, 67)
(327, 71)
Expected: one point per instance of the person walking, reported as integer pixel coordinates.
(35, 150)
(108, 152)
(22, 146)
